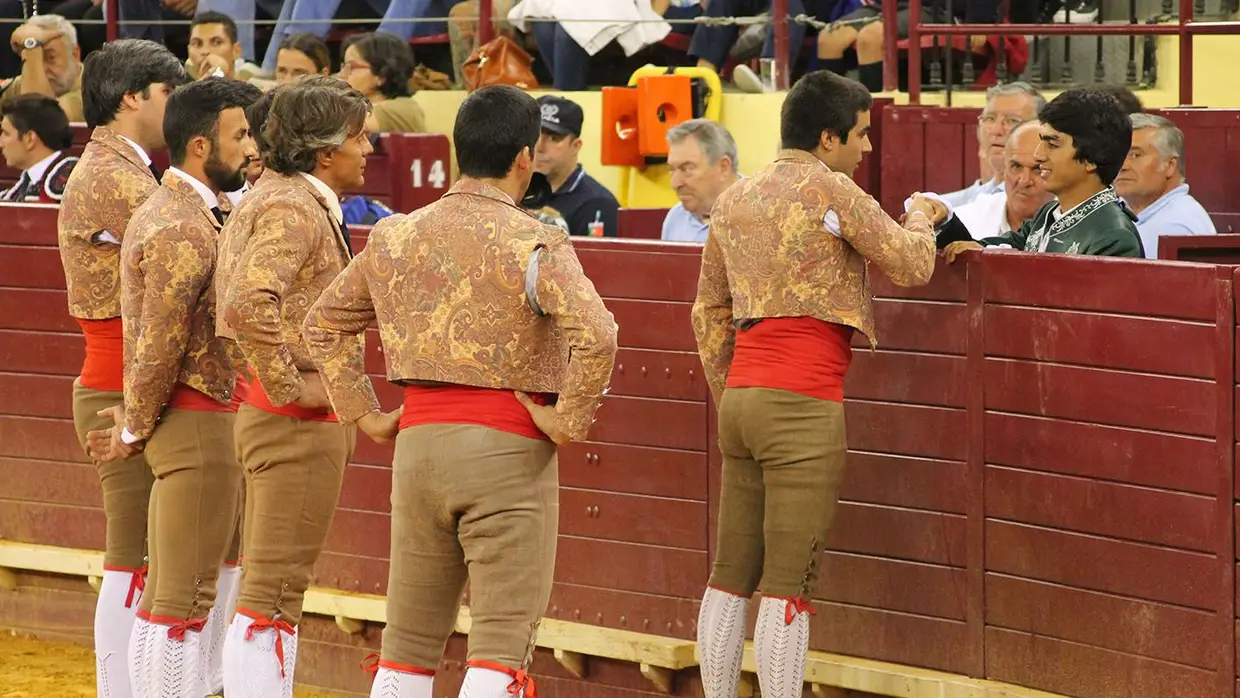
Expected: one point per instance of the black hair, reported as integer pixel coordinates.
(194, 110)
(1100, 129)
(212, 17)
(390, 59)
(256, 115)
(492, 127)
(312, 46)
(119, 68)
(41, 114)
(821, 101)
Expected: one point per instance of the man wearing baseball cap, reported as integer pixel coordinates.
(578, 203)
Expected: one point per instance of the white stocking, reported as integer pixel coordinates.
(781, 645)
(721, 642)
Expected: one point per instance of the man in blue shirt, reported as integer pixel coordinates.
(578, 203)
(701, 156)
(1152, 184)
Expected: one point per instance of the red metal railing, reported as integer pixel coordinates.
(1185, 28)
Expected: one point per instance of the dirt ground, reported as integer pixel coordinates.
(38, 669)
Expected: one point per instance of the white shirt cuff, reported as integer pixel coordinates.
(128, 436)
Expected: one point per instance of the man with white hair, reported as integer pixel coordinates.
(701, 156)
(1007, 106)
(1152, 183)
(51, 63)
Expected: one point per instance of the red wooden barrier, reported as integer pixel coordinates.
(1041, 486)
(935, 149)
(643, 223)
(1213, 249)
(406, 171)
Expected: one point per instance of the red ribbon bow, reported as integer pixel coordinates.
(796, 606)
(137, 583)
(177, 631)
(280, 626)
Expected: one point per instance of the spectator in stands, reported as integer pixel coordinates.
(1085, 138)
(1023, 192)
(302, 55)
(214, 51)
(566, 46)
(35, 138)
(1152, 183)
(1127, 99)
(702, 158)
(379, 66)
(863, 28)
(578, 203)
(313, 16)
(51, 63)
(711, 44)
(246, 12)
(1007, 106)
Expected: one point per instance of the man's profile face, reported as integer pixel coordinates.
(61, 64)
(1057, 158)
(232, 152)
(846, 156)
(16, 154)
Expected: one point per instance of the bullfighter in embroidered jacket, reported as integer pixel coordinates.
(475, 299)
(783, 286)
(279, 249)
(1086, 136)
(130, 83)
(182, 387)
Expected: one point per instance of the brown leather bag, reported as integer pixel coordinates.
(499, 62)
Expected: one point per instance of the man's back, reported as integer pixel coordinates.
(105, 188)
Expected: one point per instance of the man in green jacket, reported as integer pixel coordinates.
(1085, 138)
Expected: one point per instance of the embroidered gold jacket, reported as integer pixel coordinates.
(167, 261)
(278, 251)
(770, 254)
(108, 183)
(453, 291)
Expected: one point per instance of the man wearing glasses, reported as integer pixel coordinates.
(1007, 106)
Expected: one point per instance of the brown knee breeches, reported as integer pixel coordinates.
(126, 484)
(478, 503)
(293, 472)
(783, 457)
(193, 511)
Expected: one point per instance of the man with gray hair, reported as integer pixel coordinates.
(1007, 106)
(1152, 183)
(51, 63)
(701, 156)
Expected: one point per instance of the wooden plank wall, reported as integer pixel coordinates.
(935, 149)
(1108, 565)
(1041, 484)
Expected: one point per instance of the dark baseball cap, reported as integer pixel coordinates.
(560, 115)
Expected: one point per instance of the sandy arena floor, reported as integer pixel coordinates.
(38, 669)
